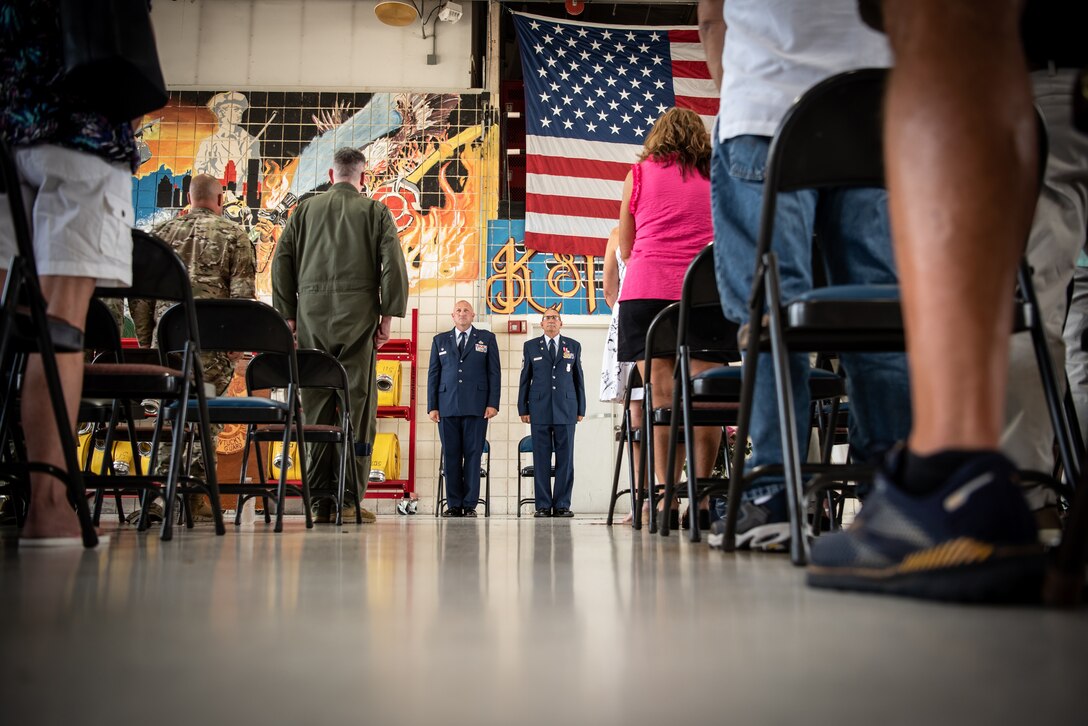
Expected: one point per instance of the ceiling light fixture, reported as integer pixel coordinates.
(397, 13)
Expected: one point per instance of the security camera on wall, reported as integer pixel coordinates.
(450, 13)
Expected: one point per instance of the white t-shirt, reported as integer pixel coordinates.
(775, 50)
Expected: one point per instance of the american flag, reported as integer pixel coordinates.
(592, 93)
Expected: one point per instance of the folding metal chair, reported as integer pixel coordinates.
(247, 325)
(158, 273)
(485, 476)
(316, 369)
(525, 446)
(832, 138)
(719, 389)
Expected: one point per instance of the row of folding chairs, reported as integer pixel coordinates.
(831, 138)
(118, 381)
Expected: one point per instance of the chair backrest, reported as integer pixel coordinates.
(525, 445)
(661, 336)
(832, 137)
(699, 295)
(229, 325)
(157, 272)
(316, 369)
(100, 332)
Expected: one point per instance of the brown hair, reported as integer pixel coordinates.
(679, 137)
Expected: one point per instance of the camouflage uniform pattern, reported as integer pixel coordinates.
(142, 311)
(222, 265)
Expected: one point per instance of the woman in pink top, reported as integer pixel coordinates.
(664, 222)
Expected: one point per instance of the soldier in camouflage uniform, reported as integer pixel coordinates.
(221, 265)
(339, 278)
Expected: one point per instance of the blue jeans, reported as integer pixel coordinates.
(854, 234)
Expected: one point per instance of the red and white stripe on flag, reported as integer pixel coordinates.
(592, 94)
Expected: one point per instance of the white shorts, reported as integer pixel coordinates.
(80, 211)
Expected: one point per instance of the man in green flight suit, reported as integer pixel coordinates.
(339, 278)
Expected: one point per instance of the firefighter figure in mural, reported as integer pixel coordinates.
(230, 143)
(339, 277)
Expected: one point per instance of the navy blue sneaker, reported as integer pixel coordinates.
(972, 540)
(761, 527)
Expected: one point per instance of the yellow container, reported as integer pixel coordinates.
(388, 383)
(385, 462)
(294, 466)
(122, 457)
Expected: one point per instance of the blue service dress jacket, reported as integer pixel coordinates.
(464, 385)
(552, 392)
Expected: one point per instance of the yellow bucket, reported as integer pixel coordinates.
(385, 462)
(388, 383)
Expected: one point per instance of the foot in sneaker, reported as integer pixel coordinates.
(759, 527)
(972, 539)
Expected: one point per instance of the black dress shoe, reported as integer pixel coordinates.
(563, 512)
(453, 512)
(468, 512)
(543, 513)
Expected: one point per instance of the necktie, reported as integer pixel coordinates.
(461, 343)
(551, 347)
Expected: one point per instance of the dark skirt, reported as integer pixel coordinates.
(711, 337)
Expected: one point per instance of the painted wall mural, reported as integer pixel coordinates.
(524, 282)
(431, 158)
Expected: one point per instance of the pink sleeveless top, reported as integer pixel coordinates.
(672, 224)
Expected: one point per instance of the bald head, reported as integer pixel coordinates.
(206, 191)
(463, 315)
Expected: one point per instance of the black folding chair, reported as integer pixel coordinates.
(158, 273)
(525, 446)
(316, 369)
(247, 325)
(102, 417)
(25, 329)
(485, 476)
(832, 137)
(718, 390)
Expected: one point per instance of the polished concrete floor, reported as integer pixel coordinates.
(503, 621)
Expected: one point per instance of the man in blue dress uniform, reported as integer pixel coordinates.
(552, 399)
(463, 382)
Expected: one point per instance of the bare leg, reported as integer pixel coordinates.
(50, 514)
(960, 155)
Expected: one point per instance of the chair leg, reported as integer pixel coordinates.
(487, 486)
(791, 456)
(1058, 419)
(438, 498)
(648, 448)
(640, 490)
(744, 418)
(670, 457)
(687, 409)
(616, 472)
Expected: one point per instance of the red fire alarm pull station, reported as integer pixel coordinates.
(515, 327)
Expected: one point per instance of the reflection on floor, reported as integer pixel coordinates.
(501, 621)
